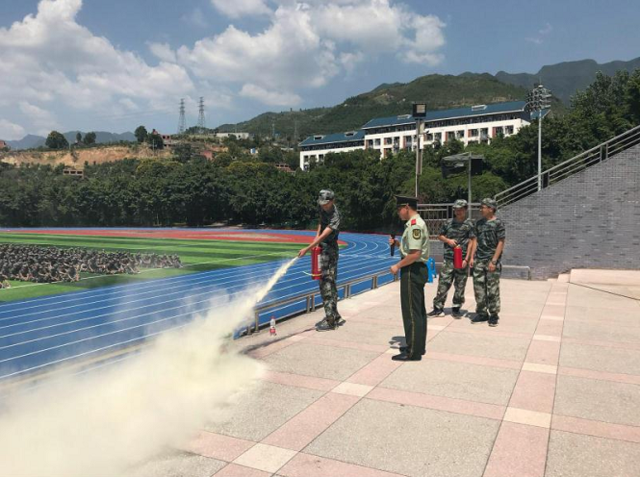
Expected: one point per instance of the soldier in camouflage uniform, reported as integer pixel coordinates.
(454, 232)
(414, 249)
(327, 238)
(488, 246)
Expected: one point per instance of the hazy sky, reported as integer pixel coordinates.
(113, 65)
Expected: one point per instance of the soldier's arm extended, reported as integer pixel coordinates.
(325, 233)
(448, 241)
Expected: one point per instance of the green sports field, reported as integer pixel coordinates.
(196, 256)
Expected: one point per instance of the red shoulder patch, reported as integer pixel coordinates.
(413, 221)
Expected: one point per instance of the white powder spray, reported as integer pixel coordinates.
(104, 422)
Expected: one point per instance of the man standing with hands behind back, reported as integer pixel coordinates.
(414, 249)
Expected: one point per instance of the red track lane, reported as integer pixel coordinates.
(181, 235)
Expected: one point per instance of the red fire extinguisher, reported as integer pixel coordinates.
(457, 256)
(316, 272)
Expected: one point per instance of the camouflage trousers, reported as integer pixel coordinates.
(449, 276)
(486, 287)
(328, 288)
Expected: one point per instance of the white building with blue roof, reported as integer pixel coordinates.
(474, 124)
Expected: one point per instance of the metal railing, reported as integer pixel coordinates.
(310, 299)
(595, 155)
(437, 214)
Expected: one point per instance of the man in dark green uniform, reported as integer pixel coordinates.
(488, 246)
(414, 250)
(327, 238)
(455, 232)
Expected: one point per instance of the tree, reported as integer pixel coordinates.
(155, 140)
(90, 138)
(78, 137)
(141, 134)
(56, 140)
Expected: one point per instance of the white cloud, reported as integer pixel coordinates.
(240, 8)
(288, 55)
(53, 63)
(271, 98)
(163, 52)
(50, 58)
(542, 33)
(10, 131)
(195, 18)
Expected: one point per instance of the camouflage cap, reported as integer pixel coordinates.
(325, 196)
(460, 204)
(489, 202)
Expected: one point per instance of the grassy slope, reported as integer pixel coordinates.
(439, 91)
(196, 256)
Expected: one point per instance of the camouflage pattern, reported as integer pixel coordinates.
(448, 276)
(328, 288)
(489, 202)
(325, 196)
(486, 286)
(488, 234)
(460, 204)
(461, 232)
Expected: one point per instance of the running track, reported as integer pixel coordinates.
(39, 334)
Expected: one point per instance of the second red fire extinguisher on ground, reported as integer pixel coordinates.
(316, 272)
(457, 256)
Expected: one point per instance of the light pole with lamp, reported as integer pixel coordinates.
(419, 113)
(538, 100)
(474, 165)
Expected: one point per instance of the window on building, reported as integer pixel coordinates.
(509, 130)
(473, 132)
(377, 142)
(460, 133)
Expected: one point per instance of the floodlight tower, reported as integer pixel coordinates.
(538, 101)
(181, 121)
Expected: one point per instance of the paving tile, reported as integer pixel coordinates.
(177, 464)
(261, 412)
(575, 455)
(305, 465)
(311, 422)
(352, 389)
(266, 458)
(268, 348)
(596, 428)
(530, 418)
(605, 401)
(342, 341)
(297, 380)
(543, 352)
(611, 360)
(484, 345)
(408, 440)
(601, 332)
(519, 451)
(534, 392)
(549, 328)
(217, 446)
(461, 358)
(540, 337)
(428, 401)
(376, 371)
(455, 380)
(620, 317)
(321, 361)
(540, 368)
(235, 470)
(601, 375)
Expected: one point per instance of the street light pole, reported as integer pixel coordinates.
(419, 114)
(538, 100)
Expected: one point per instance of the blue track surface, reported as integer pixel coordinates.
(40, 333)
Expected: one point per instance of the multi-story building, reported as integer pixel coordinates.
(470, 125)
(314, 148)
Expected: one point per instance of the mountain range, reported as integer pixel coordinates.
(439, 91)
(31, 141)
